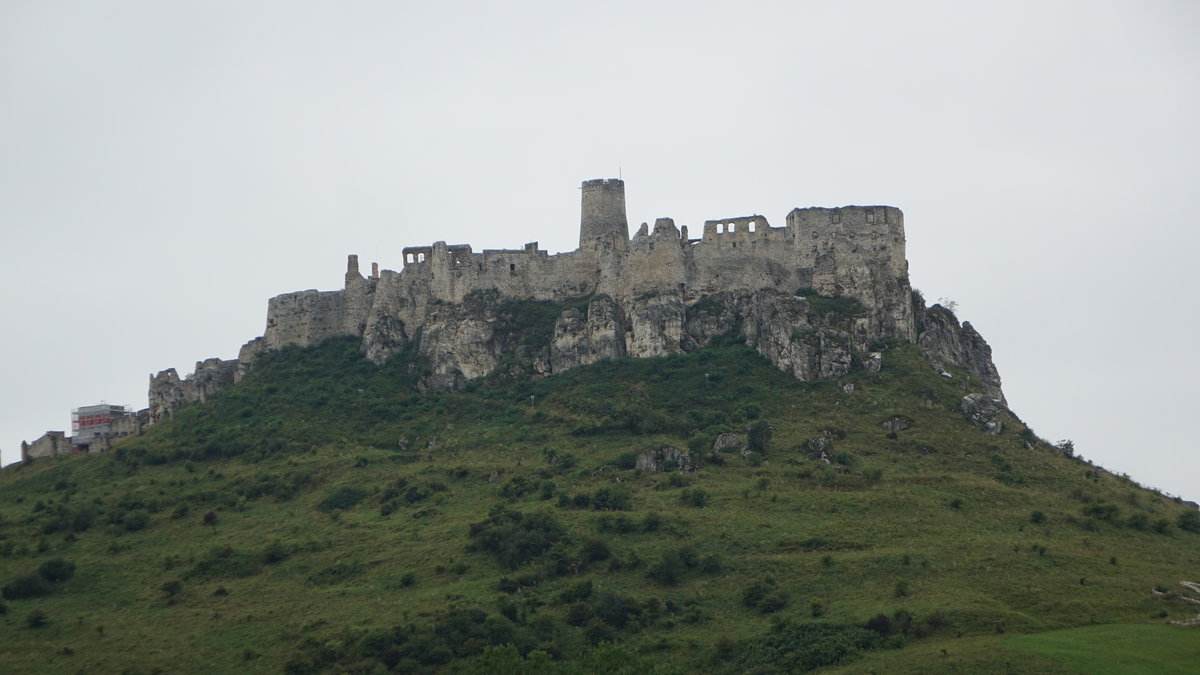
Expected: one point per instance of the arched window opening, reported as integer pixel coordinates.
(420, 257)
(410, 259)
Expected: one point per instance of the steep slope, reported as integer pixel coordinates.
(695, 510)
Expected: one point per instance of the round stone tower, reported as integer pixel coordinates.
(603, 213)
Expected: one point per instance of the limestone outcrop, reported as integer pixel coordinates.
(945, 340)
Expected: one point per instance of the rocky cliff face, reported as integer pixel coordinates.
(946, 341)
(469, 340)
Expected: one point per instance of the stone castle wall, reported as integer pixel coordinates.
(659, 292)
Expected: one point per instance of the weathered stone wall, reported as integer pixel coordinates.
(657, 293)
(168, 392)
(50, 444)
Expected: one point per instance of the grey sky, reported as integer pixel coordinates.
(166, 167)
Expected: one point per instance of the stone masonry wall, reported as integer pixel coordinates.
(657, 293)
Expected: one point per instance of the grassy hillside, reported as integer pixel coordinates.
(324, 515)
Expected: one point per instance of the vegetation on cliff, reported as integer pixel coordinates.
(325, 515)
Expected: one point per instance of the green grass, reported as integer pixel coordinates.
(343, 504)
(1126, 649)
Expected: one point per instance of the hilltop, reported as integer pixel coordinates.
(324, 514)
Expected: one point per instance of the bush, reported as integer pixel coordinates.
(343, 498)
(758, 436)
(1037, 517)
(515, 538)
(616, 610)
(773, 602)
(595, 550)
(801, 647)
(580, 613)
(27, 586)
(1189, 521)
(275, 552)
(1101, 511)
(752, 595)
(667, 571)
(577, 593)
(57, 570)
(694, 497)
(37, 619)
(610, 499)
(226, 563)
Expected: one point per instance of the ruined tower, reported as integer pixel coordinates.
(603, 213)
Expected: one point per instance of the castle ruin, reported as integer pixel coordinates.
(658, 292)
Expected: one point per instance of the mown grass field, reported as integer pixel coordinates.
(325, 515)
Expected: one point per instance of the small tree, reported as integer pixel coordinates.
(759, 435)
(57, 570)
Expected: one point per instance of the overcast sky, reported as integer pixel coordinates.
(166, 167)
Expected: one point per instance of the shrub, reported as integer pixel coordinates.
(652, 522)
(27, 586)
(694, 497)
(626, 460)
(668, 570)
(752, 595)
(514, 538)
(577, 593)
(610, 499)
(210, 518)
(37, 619)
(57, 570)
(1037, 517)
(1101, 511)
(595, 550)
(758, 436)
(580, 613)
(135, 520)
(226, 563)
(801, 647)
(615, 610)
(343, 498)
(275, 552)
(880, 623)
(773, 602)
(1189, 521)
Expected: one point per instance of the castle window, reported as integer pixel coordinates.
(512, 267)
(410, 258)
(720, 228)
(420, 257)
(732, 226)
(750, 226)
